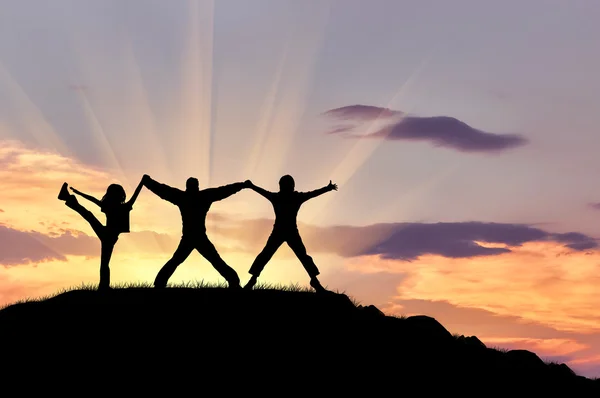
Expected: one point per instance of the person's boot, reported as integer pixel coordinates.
(251, 283)
(314, 282)
(64, 192)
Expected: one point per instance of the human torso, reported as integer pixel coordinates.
(286, 207)
(117, 218)
(193, 207)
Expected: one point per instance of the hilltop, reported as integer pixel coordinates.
(265, 341)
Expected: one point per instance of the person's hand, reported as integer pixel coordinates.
(74, 190)
(332, 186)
(248, 184)
(145, 178)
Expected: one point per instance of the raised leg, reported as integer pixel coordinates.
(96, 225)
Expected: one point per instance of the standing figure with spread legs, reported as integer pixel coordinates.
(193, 205)
(286, 204)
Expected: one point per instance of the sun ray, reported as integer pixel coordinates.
(194, 137)
(361, 151)
(34, 120)
(267, 116)
(142, 119)
(298, 68)
(101, 139)
(144, 123)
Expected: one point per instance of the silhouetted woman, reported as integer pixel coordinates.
(117, 220)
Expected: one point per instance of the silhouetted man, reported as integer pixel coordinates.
(286, 204)
(194, 205)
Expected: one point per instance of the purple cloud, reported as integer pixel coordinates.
(362, 112)
(341, 129)
(17, 247)
(23, 247)
(459, 240)
(441, 131)
(594, 205)
(409, 241)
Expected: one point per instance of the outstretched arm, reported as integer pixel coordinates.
(163, 191)
(317, 192)
(268, 195)
(88, 197)
(136, 193)
(220, 193)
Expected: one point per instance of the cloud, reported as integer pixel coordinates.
(31, 179)
(441, 131)
(1, 211)
(532, 282)
(580, 351)
(409, 241)
(26, 247)
(364, 112)
(17, 247)
(595, 206)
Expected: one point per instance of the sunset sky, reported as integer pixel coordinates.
(463, 136)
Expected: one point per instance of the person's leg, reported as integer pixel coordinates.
(181, 254)
(99, 229)
(273, 243)
(210, 253)
(108, 245)
(107, 241)
(295, 243)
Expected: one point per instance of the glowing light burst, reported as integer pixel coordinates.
(102, 140)
(31, 117)
(286, 101)
(142, 120)
(361, 151)
(194, 137)
(262, 131)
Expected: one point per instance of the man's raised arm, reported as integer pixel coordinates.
(220, 193)
(163, 191)
(320, 191)
(261, 191)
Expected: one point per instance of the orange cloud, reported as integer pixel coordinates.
(31, 179)
(542, 347)
(540, 282)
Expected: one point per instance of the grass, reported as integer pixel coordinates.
(187, 285)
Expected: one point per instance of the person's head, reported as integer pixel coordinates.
(192, 185)
(115, 194)
(287, 184)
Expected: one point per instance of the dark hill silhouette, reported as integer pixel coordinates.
(267, 342)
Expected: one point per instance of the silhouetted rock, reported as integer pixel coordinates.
(561, 370)
(263, 342)
(371, 310)
(526, 359)
(429, 329)
(471, 341)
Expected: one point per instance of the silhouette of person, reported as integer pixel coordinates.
(117, 220)
(193, 205)
(286, 204)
